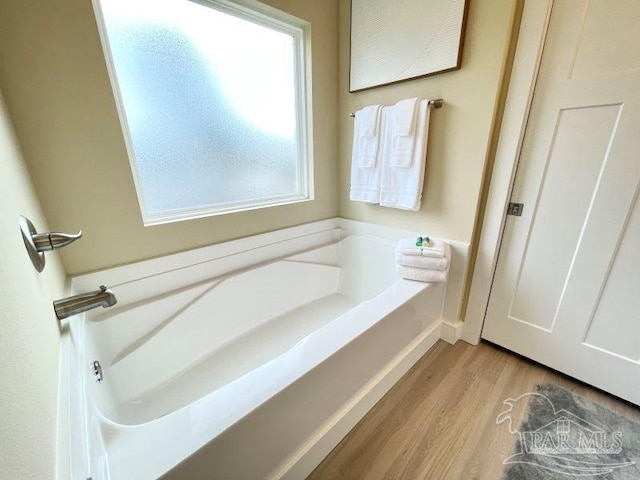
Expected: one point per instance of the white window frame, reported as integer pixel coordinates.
(268, 17)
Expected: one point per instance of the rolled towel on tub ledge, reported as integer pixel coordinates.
(422, 274)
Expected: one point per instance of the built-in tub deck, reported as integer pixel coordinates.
(182, 366)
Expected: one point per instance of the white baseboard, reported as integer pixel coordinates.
(451, 332)
(309, 455)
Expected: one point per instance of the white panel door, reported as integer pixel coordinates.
(566, 290)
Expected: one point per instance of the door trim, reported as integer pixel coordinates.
(536, 15)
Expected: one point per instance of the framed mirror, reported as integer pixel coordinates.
(391, 42)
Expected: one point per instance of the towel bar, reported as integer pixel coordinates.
(437, 103)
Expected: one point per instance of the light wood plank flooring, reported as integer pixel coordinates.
(438, 421)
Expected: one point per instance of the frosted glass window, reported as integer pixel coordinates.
(212, 100)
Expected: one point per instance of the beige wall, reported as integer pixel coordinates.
(58, 93)
(57, 89)
(29, 333)
(459, 134)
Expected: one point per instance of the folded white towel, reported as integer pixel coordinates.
(437, 248)
(404, 113)
(368, 128)
(429, 263)
(401, 187)
(422, 274)
(407, 246)
(403, 130)
(365, 175)
(368, 120)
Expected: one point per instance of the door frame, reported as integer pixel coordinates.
(536, 15)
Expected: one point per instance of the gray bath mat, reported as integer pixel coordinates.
(565, 436)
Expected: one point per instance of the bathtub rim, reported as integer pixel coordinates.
(309, 235)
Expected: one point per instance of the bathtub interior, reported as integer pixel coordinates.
(163, 352)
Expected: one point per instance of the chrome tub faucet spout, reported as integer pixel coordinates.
(67, 307)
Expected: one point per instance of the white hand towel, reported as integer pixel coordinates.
(437, 248)
(404, 113)
(401, 187)
(407, 246)
(403, 130)
(422, 274)
(365, 180)
(368, 128)
(368, 120)
(429, 263)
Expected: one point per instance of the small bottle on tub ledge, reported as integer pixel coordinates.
(423, 242)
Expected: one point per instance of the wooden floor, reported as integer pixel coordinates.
(439, 420)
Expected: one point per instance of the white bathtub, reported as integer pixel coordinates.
(247, 363)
